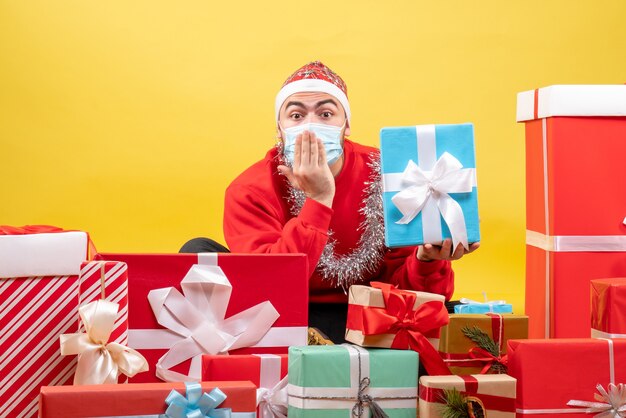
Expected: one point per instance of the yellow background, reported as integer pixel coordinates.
(128, 119)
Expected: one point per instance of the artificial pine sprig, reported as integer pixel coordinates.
(454, 405)
(484, 341)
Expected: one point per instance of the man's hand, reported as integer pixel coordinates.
(310, 172)
(429, 252)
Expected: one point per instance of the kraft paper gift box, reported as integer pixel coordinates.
(574, 233)
(138, 400)
(495, 393)
(328, 381)
(551, 373)
(378, 314)
(608, 308)
(464, 356)
(39, 268)
(266, 371)
(429, 184)
(268, 304)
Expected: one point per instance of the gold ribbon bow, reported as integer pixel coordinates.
(611, 403)
(99, 361)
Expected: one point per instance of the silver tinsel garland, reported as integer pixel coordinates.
(347, 269)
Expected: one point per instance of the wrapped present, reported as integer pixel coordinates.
(476, 343)
(552, 373)
(347, 380)
(480, 395)
(571, 239)
(429, 185)
(267, 371)
(383, 316)
(469, 306)
(39, 267)
(235, 303)
(150, 400)
(608, 308)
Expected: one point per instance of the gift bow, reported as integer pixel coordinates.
(483, 355)
(196, 404)
(99, 362)
(273, 403)
(198, 317)
(611, 403)
(447, 176)
(408, 325)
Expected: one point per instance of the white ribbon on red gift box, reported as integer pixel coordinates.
(425, 187)
(271, 396)
(198, 322)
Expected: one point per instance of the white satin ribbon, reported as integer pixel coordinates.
(596, 333)
(610, 403)
(197, 317)
(418, 187)
(99, 362)
(273, 402)
(576, 243)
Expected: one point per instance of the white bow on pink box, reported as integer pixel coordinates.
(197, 317)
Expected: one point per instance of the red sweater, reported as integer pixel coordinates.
(257, 219)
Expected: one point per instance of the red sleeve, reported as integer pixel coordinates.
(402, 268)
(253, 225)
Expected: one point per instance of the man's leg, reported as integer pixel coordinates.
(203, 245)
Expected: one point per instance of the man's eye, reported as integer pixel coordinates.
(296, 116)
(326, 114)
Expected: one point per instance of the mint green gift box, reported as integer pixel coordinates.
(324, 381)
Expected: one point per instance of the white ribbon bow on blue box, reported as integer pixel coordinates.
(429, 185)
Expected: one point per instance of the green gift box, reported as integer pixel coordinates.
(345, 381)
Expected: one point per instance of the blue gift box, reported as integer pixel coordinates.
(432, 161)
(483, 308)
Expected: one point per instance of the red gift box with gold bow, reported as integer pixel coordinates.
(384, 316)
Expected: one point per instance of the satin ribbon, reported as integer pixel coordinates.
(197, 317)
(447, 176)
(484, 356)
(490, 402)
(196, 404)
(273, 402)
(408, 325)
(99, 362)
(611, 403)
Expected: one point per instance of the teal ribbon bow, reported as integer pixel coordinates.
(196, 404)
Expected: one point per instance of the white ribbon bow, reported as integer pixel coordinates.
(273, 403)
(198, 317)
(611, 403)
(447, 176)
(99, 362)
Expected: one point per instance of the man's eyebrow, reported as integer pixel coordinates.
(299, 104)
(323, 102)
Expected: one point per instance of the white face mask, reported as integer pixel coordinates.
(328, 134)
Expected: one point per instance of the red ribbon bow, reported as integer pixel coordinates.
(409, 325)
(489, 359)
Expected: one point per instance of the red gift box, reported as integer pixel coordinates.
(279, 279)
(35, 310)
(574, 142)
(550, 373)
(135, 399)
(264, 370)
(608, 308)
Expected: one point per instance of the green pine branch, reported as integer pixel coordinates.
(484, 341)
(455, 405)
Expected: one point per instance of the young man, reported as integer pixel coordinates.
(319, 193)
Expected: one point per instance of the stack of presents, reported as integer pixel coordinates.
(87, 334)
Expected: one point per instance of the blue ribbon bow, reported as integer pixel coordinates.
(196, 404)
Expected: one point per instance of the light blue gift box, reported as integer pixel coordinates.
(483, 308)
(424, 145)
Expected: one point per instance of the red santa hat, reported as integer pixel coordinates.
(314, 77)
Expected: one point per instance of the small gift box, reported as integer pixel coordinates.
(476, 343)
(479, 395)
(39, 267)
(429, 184)
(383, 316)
(149, 400)
(469, 306)
(186, 305)
(560, 377)
(346, 380)
(266, 371)
(608, 308)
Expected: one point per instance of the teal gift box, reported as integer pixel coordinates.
(429, 184)
(335, 381)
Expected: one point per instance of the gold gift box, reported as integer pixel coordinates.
(454, 346)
